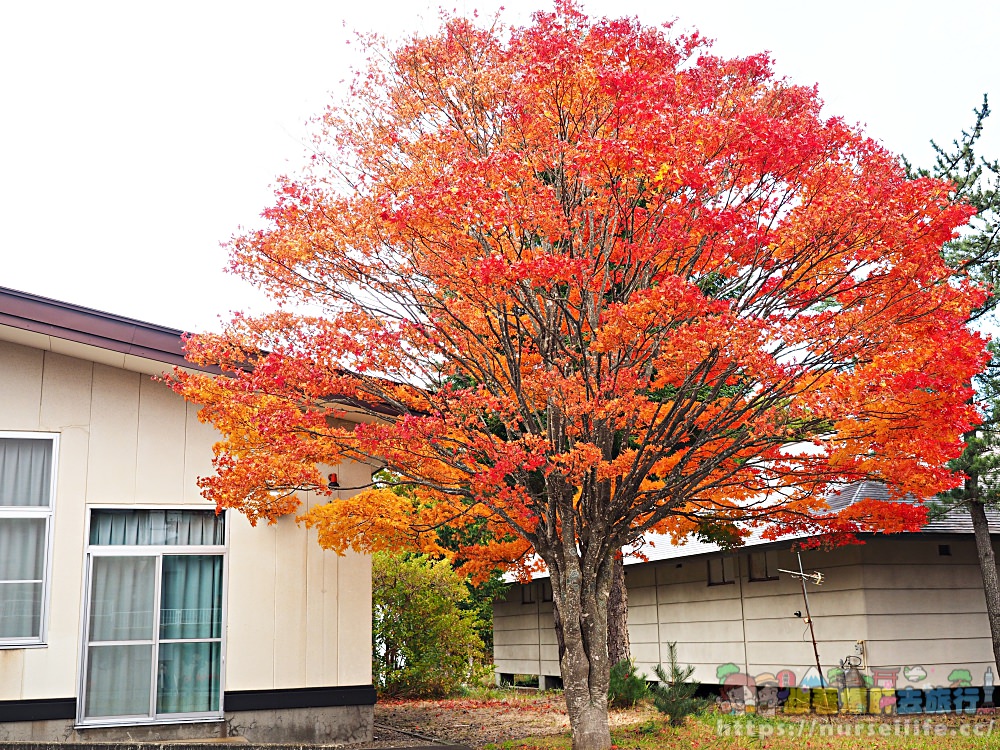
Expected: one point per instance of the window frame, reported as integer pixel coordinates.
(546, 586)
(528, 593)
(48, 514)
(768, 576)
(157, 551)
(728, 576)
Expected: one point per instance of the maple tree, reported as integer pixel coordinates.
(582, 280)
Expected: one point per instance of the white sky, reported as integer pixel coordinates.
(135, 137)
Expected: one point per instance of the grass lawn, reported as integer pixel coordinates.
(714, 730)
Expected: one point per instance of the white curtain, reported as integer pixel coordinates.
(156, 527)
(122, 608)
(25, 472)
(22, 567)
(25, 482)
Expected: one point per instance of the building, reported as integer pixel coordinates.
(911, 606)
(128, 608)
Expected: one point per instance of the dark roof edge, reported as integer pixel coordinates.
(864, 536)
(83, 325)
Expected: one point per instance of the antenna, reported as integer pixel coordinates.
(816, 578)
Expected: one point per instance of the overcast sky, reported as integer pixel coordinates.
(135, 137)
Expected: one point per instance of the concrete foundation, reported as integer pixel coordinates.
(328, 726)
(322, 726)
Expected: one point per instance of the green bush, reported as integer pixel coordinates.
(626, 688)
(673, 694)
(482, 594)
(424, 643)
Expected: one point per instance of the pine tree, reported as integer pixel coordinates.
(626, 686)
(674, 695)
(976, 254)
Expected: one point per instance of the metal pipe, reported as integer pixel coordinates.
(809, 619)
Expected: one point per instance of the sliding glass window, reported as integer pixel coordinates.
(27, 481)
(154, 626)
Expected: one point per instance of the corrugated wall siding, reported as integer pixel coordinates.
(915, 609)
(298, 616)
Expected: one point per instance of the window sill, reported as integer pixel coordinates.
(213, 719)
(9, 646)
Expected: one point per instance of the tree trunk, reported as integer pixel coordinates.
(619, 648)
(557, 622)
(580, 602)
(988, 566)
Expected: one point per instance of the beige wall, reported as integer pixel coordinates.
(927, 610)
(297, 616)
(524, 641)
(749, 623)
(909, 605)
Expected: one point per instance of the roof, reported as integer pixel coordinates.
(955, 521)
(82, 332)
(131, 344)
(113, 340)
(659, 547)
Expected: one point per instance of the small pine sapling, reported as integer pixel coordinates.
(673, 694)
(626, 687)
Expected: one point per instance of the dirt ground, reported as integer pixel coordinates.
(475, 722)
(478, 722)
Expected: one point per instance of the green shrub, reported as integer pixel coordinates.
(424, 643)
(626, 687)
(673, 694)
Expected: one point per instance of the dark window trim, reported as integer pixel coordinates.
(323, 697)
(546, 584)
(528, 593)
(767, 571)
(722, 565)
(49, 709)
(45, 709)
